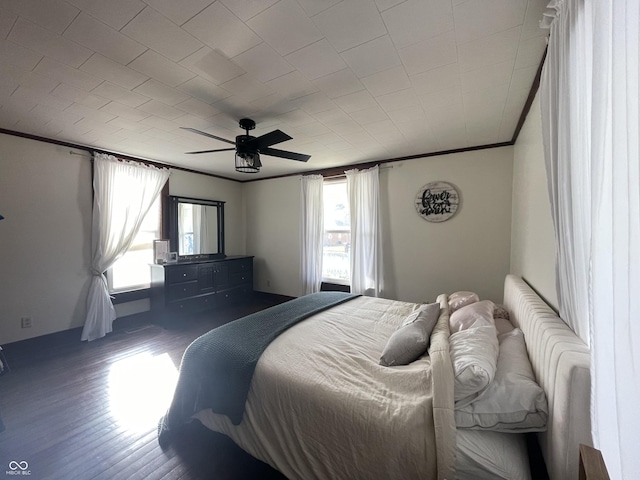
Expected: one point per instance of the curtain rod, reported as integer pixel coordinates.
(92, 153)
(333, 176)
(342, 175)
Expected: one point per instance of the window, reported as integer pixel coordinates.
(337, 232)
(131, 271)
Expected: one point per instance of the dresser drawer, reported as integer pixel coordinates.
(193, 304)
(187, 305)
(233, 294)
(177, 291)
(241, 278)
(241, 265)
(181, 273)
(207, 301)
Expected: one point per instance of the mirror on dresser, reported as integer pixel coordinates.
(196, 228)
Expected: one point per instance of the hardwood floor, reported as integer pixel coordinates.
(90, 410)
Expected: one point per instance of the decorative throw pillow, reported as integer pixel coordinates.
(429, 309)
(513, 402)
(500, 312)
(474, 354)
(461, 299)
(411, 340)
(478, 314)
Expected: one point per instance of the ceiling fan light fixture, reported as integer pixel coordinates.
(248, 162)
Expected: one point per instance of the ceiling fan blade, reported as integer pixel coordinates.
(208, 135)
(284, 154)
(271, 138)
(210, 151)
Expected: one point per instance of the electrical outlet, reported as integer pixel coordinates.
(25, 322)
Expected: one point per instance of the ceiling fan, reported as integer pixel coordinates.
(249, 148)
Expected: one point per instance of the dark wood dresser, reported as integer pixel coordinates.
(191, 287)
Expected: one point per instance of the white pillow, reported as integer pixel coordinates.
(503, 325)
(474, 354)
(411, 340)
(513, 402)
(461, 299)
(477, 314)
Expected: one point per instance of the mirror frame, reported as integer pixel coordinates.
(173, 201)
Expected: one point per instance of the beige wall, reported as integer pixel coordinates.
(422, 259)
(469, 251)
(532, 237)
(272, 232)
(45, 238)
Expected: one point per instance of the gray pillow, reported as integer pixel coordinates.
(411, 340)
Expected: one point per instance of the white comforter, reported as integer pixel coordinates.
(321, 407)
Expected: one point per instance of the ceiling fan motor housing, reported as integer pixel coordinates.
(242, 147)
(241, 140)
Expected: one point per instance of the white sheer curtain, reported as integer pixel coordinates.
(363, 189)
(123, 193)
(200, 229)
(311, 232)
(566, 108)
(185, 226)
(591, 124)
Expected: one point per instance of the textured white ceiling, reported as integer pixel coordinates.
(351, 81)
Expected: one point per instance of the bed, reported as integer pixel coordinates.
(319, 404)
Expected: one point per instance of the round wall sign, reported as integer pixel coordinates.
(437, 201)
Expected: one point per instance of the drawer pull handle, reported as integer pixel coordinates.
(184, 274)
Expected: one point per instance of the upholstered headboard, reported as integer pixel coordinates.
(561, 364)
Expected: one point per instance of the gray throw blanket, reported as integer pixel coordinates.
(217, 368)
